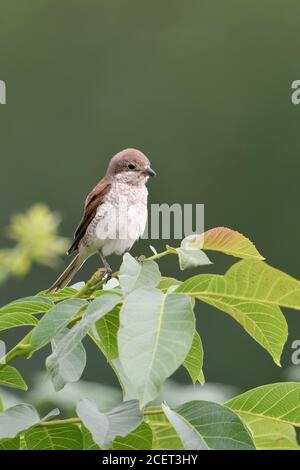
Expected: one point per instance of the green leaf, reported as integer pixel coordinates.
(88, 443)
(224, 240)
(20, 312)
(167, 282)
(16, 419)
(104, 427)
(52, 414)
(70, 367)
(29, 305)
(62, 294)
(69, 349)
(13, 320)
(10, 444)
(206, 425)
(164, 435)
(250, 292)
(54, 437)
(194, 360)
(248, 279)
(139, 439)
(278, 402)
(10, 377)
(155, 335)
(106, 331)
(272, 435)
(56, 320)
(190, 257)
(134, 274)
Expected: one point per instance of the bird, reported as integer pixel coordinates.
(115, 214)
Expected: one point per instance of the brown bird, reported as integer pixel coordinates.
(115, 214)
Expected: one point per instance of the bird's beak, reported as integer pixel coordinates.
(149, 172)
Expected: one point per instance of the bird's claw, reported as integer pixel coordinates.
(140, 259)
(107, 274)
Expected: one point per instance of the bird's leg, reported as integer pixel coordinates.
(107, 269)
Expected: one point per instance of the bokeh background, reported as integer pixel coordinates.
(203, 87)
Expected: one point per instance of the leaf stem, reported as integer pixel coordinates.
(159, 255)
(56, 422)
(22, 349)
(153, 411)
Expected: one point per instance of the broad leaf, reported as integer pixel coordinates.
(155, 335)
(29, 305)
(205, 425)
(70, 367)
(134, 274)
(272, 435)
(20, 312)
(224, 240)
(190, 257)
(88, 442)
(10, 444)
(105, 427)
(106, 331)
(279, 402)
(10, 377)
(68, 346)
(16, 419)
(194, 360)
(54, 437)
(55, 321)
(250, 292)
(13, 320)
(164, 435)
(60, 295)
(139, 439)
(250, 280)
(167, 282)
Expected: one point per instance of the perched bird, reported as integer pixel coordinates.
(115, 214)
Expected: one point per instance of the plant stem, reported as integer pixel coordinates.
(56, 422)
(159, 255)
(153, 411)
(22, 349)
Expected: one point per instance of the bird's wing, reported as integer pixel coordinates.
(92, 202)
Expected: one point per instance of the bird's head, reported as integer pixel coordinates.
(130, 166)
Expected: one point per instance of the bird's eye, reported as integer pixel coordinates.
(131, 166)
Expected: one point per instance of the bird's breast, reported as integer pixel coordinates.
(121, 219)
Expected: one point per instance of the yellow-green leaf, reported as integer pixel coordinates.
(278, 402)
(225, 240)
(10, 377)
(164, 435)
(194, 360)
(271, 435)
(250, 292)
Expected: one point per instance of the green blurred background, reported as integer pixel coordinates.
(203, 88)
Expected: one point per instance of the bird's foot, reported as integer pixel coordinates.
(140, 259)
(107, 273)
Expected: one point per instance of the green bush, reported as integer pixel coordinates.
(144, 325)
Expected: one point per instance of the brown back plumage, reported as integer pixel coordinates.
(92, 202)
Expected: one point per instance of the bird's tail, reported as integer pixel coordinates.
(67, 275)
